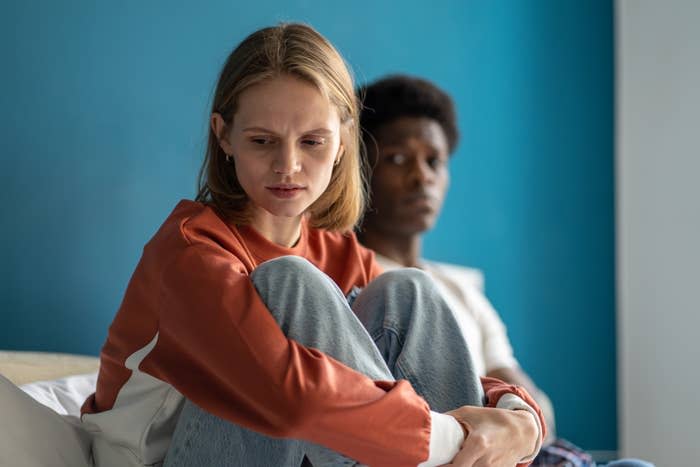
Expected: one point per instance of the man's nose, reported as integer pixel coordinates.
(420, 172)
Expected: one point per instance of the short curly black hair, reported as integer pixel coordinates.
(398, 96)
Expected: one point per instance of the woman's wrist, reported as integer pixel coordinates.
(529, 433)
(516, 404)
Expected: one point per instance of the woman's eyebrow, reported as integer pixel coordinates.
(320, 131)
(257, 129)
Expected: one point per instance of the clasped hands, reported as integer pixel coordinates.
(494, 437)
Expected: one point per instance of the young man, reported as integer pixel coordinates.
(410, 132)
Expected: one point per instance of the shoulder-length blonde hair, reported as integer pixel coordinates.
(300, 51)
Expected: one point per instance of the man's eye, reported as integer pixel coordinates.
(435, 162)
(396, 159)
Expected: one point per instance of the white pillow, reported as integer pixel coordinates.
(65, 395)
(33, 435)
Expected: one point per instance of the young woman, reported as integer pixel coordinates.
(236, 343)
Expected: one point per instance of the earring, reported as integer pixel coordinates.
(229, 158)
(339, 156)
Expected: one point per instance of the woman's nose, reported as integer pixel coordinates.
(287, 160)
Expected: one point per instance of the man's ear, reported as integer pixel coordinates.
(220, 128)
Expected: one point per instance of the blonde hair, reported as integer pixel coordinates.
(300, 51)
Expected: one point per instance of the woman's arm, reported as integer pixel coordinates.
(221, 348)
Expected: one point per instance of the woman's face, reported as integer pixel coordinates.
(284, 140)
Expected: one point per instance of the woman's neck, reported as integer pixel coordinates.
(284, 231)
(404, 249)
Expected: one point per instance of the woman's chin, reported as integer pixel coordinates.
(285, 212)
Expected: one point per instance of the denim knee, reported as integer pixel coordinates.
(290, 284)
(409, 294)
(284, 266)
(406, 279)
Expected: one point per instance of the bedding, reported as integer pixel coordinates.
(40, 424)
(64, 396)
(27, 367)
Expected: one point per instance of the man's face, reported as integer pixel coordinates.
(410, 176)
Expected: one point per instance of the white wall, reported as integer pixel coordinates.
(658, 229)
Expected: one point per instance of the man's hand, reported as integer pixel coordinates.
(494, 437)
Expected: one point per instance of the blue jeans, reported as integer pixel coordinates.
(628, 463)
(563, 453)
(399, 327)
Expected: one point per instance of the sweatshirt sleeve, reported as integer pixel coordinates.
(220, 347)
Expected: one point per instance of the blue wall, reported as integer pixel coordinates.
(103, 127)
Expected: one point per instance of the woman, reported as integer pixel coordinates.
(234, 325)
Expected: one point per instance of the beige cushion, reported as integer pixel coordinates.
(32, 435)
(26, 367)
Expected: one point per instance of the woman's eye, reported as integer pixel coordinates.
(396, 159)
(313, 141)
(261, 140)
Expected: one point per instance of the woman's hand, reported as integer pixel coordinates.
(494, 437)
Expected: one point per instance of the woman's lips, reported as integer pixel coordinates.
(285, 191)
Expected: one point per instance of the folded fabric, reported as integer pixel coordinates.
(32, 434)
(65, 395)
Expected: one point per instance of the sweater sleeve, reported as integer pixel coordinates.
(220, 347)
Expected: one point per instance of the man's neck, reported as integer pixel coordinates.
(403, 249)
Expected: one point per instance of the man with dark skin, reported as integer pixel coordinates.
(410, 132)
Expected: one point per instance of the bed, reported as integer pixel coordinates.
(40, 398)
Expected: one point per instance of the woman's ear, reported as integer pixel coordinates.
(219, 127)
(340, 154)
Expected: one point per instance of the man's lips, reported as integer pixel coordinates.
(419, 198)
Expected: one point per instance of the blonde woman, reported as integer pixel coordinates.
(257, 331)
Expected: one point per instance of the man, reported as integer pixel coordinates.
(410, 132)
